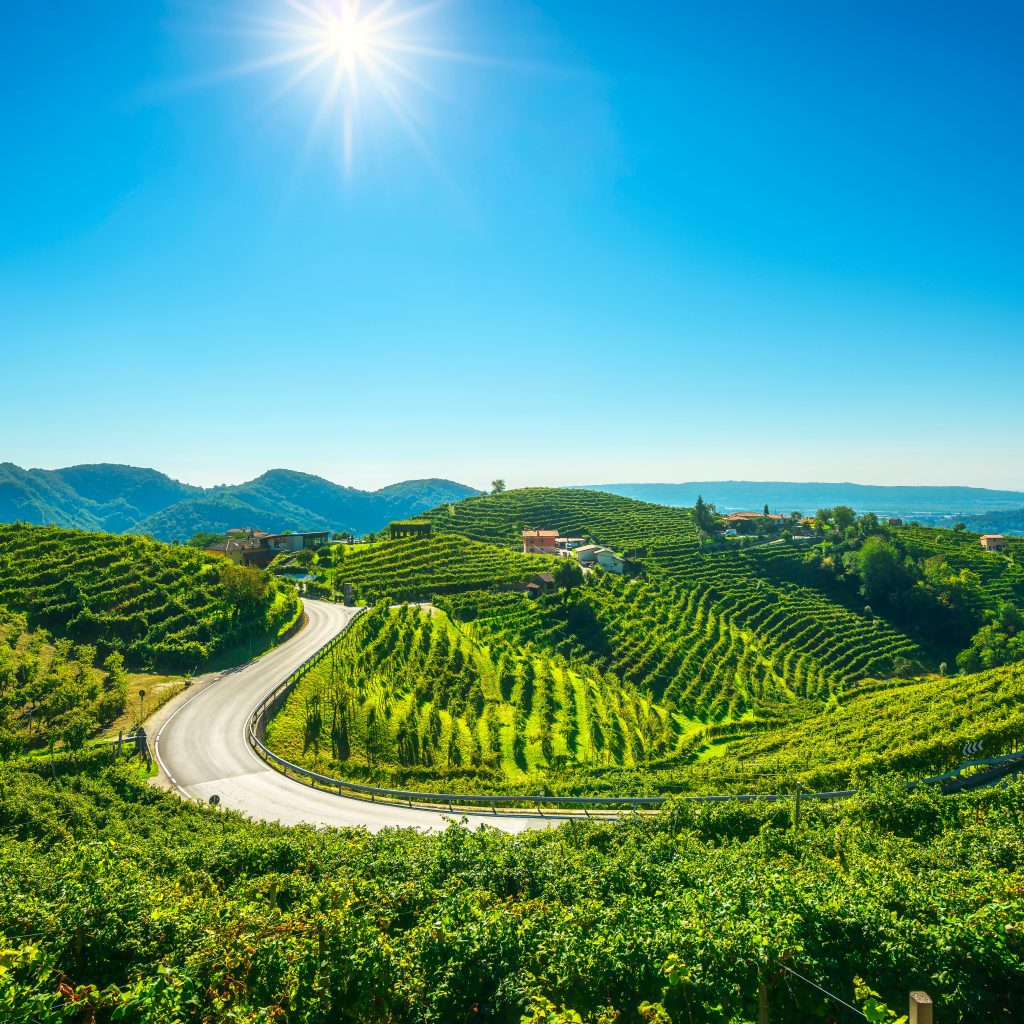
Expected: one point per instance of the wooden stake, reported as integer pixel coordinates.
(921, 1008)
(762, 1003)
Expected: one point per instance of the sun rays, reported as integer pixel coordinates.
(345, 52)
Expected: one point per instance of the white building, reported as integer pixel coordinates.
(609, 561)
(587, 553)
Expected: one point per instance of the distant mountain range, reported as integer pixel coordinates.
(996, 511)
(122, 499)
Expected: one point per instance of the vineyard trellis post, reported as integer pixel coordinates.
(921, 1008)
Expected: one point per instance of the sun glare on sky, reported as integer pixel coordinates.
(351, 47)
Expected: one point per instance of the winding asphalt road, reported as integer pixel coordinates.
(201, 748)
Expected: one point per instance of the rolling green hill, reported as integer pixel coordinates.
(155, 604)
(912, 729)
(418, 569)
(710, 618)
(710, 668)
(620, 523)
(123, 498)
(408, 700)
(284, 500)
(100, 497)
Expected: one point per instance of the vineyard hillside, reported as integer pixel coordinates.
(912, 729)
(418, 568)
(407, 700)
(714, 626)
(154, 604)
(619, 523)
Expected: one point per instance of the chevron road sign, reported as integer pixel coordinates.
(973, 748)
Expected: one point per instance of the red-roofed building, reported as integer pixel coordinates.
(540, 542)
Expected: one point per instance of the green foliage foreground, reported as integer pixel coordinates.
(117, 902)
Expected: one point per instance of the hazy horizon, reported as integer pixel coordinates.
(372, 483)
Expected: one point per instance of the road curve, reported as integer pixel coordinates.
(202, 749)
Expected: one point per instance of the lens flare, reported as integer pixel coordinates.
(354, 49)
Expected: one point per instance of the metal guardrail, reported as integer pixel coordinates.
(949, 781)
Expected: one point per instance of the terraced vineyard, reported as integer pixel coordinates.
(665, 641)
(620, 523)
(718, 640)
(416, 569)
(713, 629)
(914, 729)
(1002, 577)
(407, 700)
(155, 604)
(814, 645)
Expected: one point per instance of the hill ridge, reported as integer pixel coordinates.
(119, 498)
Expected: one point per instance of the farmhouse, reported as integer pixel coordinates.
(609, 561)
(243, 551)
(587, 553)
(540, 542)
(895, 521)
(993, 542)
(752, 517)
(544, 581)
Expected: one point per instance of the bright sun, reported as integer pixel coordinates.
(350, 45)
(348, 40)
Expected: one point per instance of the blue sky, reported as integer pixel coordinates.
(665, 241)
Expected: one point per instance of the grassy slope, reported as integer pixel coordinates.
(48, 685)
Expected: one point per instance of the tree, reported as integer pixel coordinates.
(868, 522)
(246, 589)
(767, 511)
(824, 516)
(705, 517)
(843, 516)
(497, 487)
(883, 575)
(568, 573)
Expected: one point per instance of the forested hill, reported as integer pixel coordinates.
(128, 499)
(100, 497)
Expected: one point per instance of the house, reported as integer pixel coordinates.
(295, 541)
(544, 581)
(532, 590)
(566, 544)
(895, 521)
(752, 517)
(540, 542)
(609, 561)
(587, 553)
(993, 542)
(243, 551)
